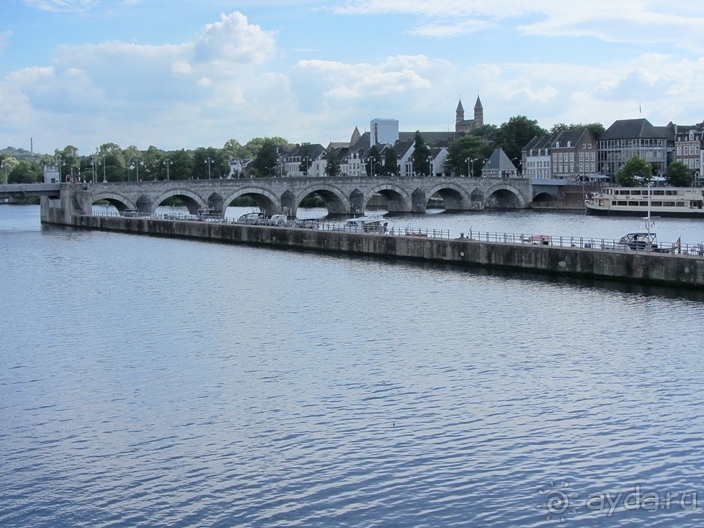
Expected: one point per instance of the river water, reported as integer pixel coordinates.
(158, 382)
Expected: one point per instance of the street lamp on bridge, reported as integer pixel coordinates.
(4, 164)
(208, 160)
(167, 162)
(135, 165)
(470, 166)
(93, 162)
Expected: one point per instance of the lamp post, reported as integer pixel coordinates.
(372, 160)
(517, 158)
(430, 166)
(167, 162)
(307, 160)
(208, 160)
(95, 174)
(135, 165)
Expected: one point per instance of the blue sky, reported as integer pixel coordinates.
(189, 73)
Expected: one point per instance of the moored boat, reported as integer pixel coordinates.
(636, 201)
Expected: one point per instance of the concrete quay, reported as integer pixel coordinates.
(680, 271)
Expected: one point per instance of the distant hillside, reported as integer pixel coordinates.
(20, 154)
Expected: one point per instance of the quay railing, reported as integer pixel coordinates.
(607, 244)
(573, 242)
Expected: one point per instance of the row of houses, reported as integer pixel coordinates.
(354, 157)
(577, 155)
(574, 154)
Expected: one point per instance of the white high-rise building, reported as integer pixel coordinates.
(383, 131)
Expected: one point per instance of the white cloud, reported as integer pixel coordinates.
(633, 21)
(355, 81)
(61, 5)
(138, 93)
(234, 40)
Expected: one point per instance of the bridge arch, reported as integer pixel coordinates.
(504, 196)
(454, 196)
(190, 199)
(335, 200)
(545, 194)
(118, 201)
(398, 199)
(266, 200)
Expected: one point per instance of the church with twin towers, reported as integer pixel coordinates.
(386, 131)
(462, 125)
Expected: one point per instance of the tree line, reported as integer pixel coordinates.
(112, 163)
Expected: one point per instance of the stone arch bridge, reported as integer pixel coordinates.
(342, 196)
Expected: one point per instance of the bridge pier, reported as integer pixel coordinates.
(73, 200)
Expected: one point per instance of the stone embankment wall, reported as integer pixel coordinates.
(656, 269)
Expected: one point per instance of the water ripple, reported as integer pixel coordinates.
(149, 382)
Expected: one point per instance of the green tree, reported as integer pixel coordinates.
(679, 175)
(332, 166)
(23, 172)
(88, 167)
(420, 158)
(182, 165)
(464, 149)
(515, 134)
(154, 169)
(68, 161)
(634, 173)
(266, 159)
(373, 163)
(7, 164)
(233, 149)
(210, 163)
(596, 129)
(306, 158)
(485, 131)
(253, 146)
(390, 167)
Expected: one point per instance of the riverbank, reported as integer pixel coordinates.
(654, 269)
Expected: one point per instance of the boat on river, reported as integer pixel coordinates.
(646, 241)
(636, 201)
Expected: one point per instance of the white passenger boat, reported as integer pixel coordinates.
(633, 201)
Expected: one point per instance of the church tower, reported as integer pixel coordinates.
(459, 114)
(356, 136)
(478, 114)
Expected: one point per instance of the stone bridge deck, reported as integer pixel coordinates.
(343, 196)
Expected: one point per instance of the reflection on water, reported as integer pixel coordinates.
(159, 382)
